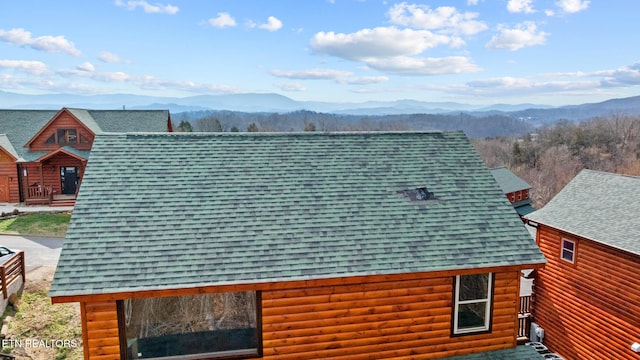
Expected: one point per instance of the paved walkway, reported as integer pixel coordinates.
(8, 207)
(39, 252)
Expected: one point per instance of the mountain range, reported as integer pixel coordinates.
(275, 103)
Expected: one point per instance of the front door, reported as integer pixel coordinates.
(4, 189)
(68, 179)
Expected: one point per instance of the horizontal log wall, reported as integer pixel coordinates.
(63, 121)
(404, 319)
(589, 309)
(100, 331)
(388, 320)
(10, 191)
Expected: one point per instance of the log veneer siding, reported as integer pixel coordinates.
(589, 309)
(64, 120)
(388, 320)
(405, 319)
(9, 181)
(100, 331)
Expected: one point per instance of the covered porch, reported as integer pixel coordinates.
(52, 179)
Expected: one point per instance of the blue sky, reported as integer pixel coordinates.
(552, 52)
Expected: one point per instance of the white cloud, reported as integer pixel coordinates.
(293, 87)
(145, 82)
(472, 2)
(148, 8)
(338, 76)
(223, 20)
(523, 35)
(110, 58)
(520, 6)
(374, 43)
(311, 74)
(153, 83)
(572, 6)
(86, 66)
(405, 65)
(27, 66)
(364, 80)
(46, 43)
(273, 24)
(85, 71)
(508, 86)
(447, 19)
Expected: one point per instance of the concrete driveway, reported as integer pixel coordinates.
(37, 251)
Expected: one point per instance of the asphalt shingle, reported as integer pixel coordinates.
(163, 211)
(20, 126)
(522, 352)
(599, 206)
(508, 181)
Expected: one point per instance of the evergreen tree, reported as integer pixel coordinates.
(184, 126)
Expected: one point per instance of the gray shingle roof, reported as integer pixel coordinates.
(522, 352)
(7, 146)
(508, 181)
(192, 210)
(21, 125)
(599, 206)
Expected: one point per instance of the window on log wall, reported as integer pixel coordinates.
(205, 326)
(472, 306)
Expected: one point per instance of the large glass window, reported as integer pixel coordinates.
(472, 309)
(67, 136)
(205, 326)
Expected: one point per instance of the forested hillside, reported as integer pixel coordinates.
(549, 158)
(474, 127)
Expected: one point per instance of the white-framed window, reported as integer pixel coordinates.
(568, 250)
(472, 303)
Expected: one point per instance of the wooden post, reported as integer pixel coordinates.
(3, 275)
(23, 268)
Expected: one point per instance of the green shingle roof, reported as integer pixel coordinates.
(7, 146)
(21, 125)
(599, 206)
(522, 352)
(163, 211)
(508, 181)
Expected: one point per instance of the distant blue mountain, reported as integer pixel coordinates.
(269, 102)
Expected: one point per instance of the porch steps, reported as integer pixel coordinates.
(69, 202)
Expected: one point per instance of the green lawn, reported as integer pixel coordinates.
(53, 224)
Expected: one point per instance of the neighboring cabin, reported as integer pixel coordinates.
(43, 153)
(294, 246)
(517, 190)
(587, 297)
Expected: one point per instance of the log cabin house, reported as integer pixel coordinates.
(587, 298)
(517, 190)
(294, 246)
(43, 153)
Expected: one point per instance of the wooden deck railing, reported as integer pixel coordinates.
(38, 194)
(524, 317)
(12, 270)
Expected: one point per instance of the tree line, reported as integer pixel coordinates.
(555, 153)
(489, 125)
